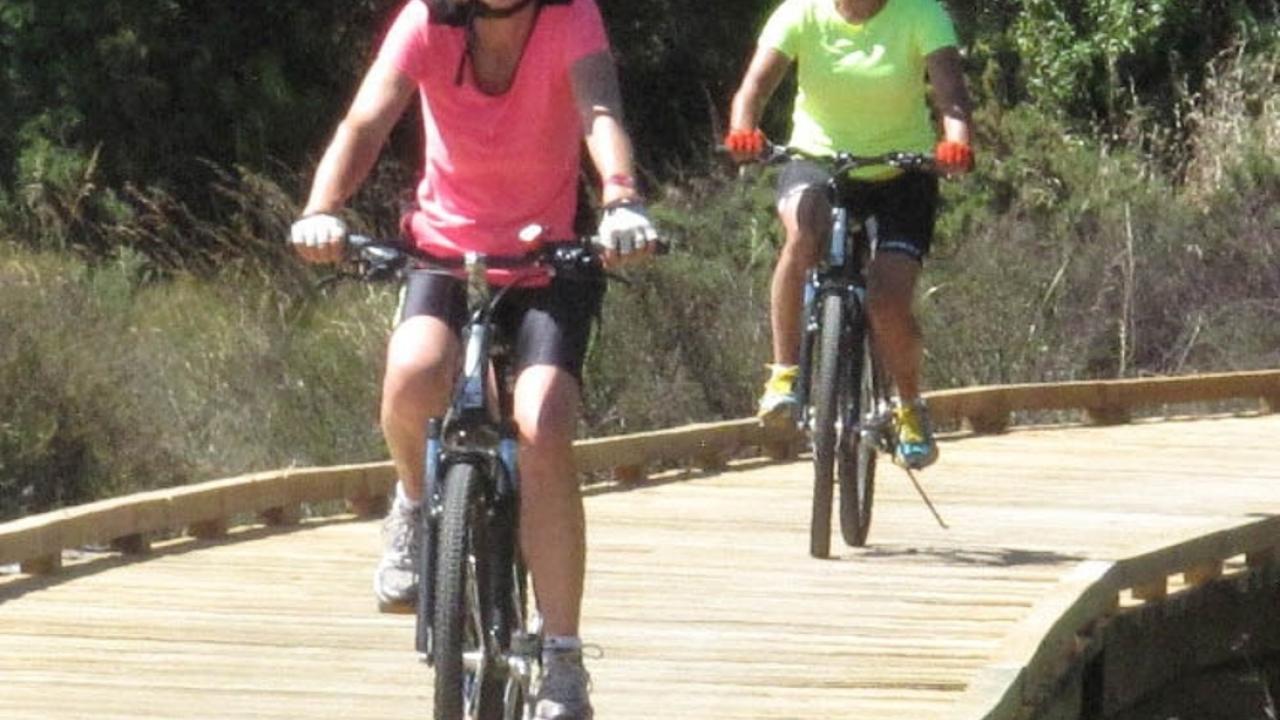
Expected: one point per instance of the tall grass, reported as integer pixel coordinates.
(110, 384)
(141, 346)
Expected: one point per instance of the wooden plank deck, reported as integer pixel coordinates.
(700, 595)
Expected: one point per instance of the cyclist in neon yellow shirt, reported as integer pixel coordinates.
(874, 76)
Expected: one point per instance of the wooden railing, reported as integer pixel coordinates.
(1026, 676)
(207, 509)
(1030, 662)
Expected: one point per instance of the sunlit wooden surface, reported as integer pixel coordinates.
(701, 598)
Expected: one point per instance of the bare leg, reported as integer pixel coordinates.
(421, 360)
(805, 218)
(552, 521)
(891, 286)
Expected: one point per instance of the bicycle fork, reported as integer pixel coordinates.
(875, 425)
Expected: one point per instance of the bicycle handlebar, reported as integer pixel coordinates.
(843, 162)
(381, 259)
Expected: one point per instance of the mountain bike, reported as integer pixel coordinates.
(473, 623)
(843, 391)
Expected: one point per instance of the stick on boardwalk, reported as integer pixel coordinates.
(700, 592)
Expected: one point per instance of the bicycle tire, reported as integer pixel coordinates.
(825, 400)
(856, 468)
(510, 591)
(423, 640)
(464, 687)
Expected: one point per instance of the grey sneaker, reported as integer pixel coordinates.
(395, 583)
(562, 694)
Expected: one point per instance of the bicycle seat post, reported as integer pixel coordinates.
(470, 402)
(477, 284)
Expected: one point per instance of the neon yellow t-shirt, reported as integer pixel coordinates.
(861, 87)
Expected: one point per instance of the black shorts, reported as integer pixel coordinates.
(898, 214)
(548, 325)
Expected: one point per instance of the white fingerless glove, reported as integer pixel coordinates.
(317, 232)
(625, 228)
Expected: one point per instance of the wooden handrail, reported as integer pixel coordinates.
(1022, 673)
(204, 509)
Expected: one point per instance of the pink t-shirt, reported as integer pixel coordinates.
(496, 163)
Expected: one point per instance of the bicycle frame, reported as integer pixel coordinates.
(474, 432)
(500, 647)
(842, 395)
(839, 272)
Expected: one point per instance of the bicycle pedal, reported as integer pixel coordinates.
(527, 644)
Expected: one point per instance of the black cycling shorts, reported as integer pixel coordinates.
(548, 325)
(898, 214)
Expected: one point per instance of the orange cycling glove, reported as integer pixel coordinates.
(953, 157)
(745, 143)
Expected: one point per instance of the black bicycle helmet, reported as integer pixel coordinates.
(460, 12)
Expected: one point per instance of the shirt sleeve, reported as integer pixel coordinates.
(782, 31)
(936, 29)
(405, 44)
(585, 34)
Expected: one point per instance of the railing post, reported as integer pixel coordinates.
(281, 516)
(208, 529)
(42, 565)
(135, 544)
(629, 474)
(368, 506)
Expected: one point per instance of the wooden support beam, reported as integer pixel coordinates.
(628, 474)
(1203, 573)
(712, 460)
(368, 506)
(1152, 590)
(779, 450)
(1262, 559)
(281, 516)
(42, 565)
(991, 422)
(208, 529)
(1107, 415)
(135, 544)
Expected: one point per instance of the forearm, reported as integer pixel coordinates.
(956, 129)
(610, 150)
(346, 163)
(748, 104)
(764, 74)
(949, 94)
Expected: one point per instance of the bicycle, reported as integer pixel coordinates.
(843, 392)
(472, 621)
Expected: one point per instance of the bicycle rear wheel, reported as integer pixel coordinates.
(825, 397)
(467, 676)
(856, 469)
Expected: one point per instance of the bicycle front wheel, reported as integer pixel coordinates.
(467, 682)
(825, 397)
(857, 462)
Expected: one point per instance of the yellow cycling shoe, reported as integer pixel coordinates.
(916, 448)
(779, 403)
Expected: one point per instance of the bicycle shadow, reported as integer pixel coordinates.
(963, 557)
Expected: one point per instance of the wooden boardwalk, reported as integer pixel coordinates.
(701, 597)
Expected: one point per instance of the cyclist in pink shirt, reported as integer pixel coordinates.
(509, 91)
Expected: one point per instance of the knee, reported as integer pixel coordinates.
(545, 428)
(546, 409)
(806, 220)
(412, 389)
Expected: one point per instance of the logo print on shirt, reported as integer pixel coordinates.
(862, 58)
